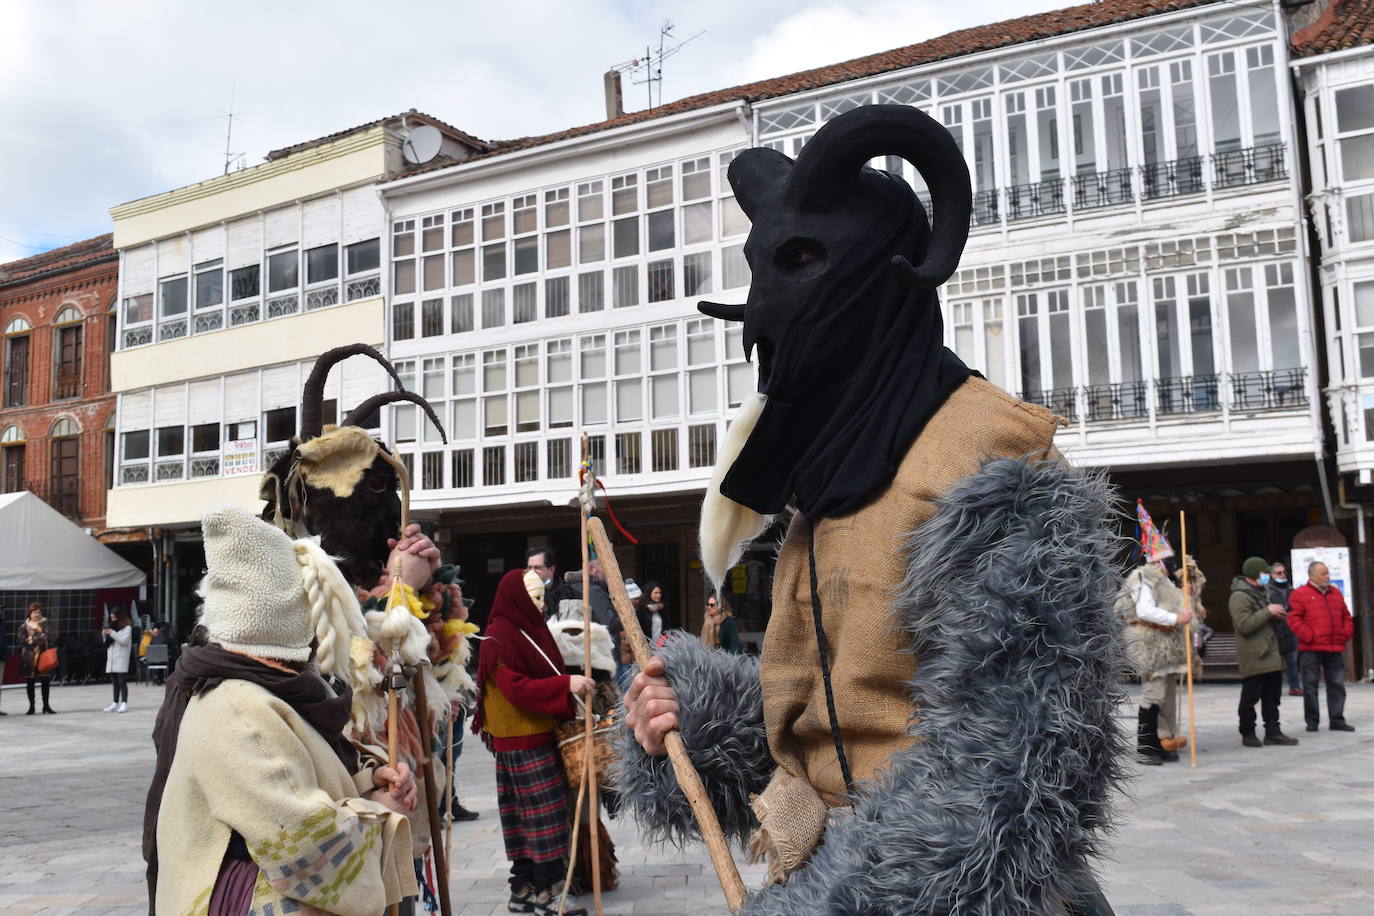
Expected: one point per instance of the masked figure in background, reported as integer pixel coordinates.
(343, 486)
(523, 694)
(1152, 608)
(930, 727)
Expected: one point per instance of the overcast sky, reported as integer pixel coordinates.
(105, 102)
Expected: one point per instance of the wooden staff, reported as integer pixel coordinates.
(687, 776)
(588, 716)
(395, 684)
(449, 780)
(572, 855)
(417, 684)
(1188, 646)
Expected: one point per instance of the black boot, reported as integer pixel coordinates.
(29, 687)
(47, 710)
(1147, 747)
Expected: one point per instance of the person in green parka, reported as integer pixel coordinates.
(1257, 653)
(720, 631)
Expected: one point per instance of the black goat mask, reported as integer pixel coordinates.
(847, 330)
(339, 483)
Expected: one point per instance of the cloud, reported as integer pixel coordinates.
(107, 102)
(821, 34)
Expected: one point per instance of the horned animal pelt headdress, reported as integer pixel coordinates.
(339, 483)
(848, 332)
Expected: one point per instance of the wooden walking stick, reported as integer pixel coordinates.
(395, 683)
(450, 790)
(431, 803)
(687, 776)
(1188, 645)
(588, 715)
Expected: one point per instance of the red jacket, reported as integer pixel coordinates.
(1320, 621)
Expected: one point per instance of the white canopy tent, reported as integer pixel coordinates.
(42, 550)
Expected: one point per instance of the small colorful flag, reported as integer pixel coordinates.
(1153, 545)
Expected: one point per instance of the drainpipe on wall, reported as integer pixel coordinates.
(1364, 569)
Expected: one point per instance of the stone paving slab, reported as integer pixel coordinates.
(1252, 831)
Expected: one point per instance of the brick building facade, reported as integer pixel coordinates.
(56, 410)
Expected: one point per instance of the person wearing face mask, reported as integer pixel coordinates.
(1156, 618)
(1280, 588)
(543, 561)
(1323, 626)
(1257, 653)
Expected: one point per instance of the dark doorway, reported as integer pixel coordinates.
(661, 563)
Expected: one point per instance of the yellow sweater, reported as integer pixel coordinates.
(503, 719)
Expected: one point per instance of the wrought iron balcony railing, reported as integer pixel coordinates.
(1268, 390)
(985, 208)
(1040, 198)
(68, 383)
(1252, 165)
(1116, 401)
(1187, 394)
(1172, 179)
(1062, 401)
(1102, 189)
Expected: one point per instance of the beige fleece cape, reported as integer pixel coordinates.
(246, 761)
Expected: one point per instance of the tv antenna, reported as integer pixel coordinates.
(231, 158)
(648, 70)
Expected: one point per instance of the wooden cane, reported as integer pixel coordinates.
(395, 684)
(431, 802)
(450, 781)
(687, 776)
(589, 716)
(1188, 646)
(572, 855)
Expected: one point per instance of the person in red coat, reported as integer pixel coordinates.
(1319, 618)
(524, 694)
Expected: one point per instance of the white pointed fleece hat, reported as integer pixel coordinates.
(255, 600)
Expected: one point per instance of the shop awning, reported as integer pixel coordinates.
(42, 550)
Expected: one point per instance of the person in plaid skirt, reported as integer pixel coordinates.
(523, 695)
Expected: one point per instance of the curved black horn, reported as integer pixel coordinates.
(754, 170)
(312, 395)
(721, 310)
(828, 167)
(364, 410)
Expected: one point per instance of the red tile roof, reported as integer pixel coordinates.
(461, 136)
(1343, 24)
(70, 256)
(955, 44)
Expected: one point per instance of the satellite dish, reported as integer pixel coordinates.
(422, 144)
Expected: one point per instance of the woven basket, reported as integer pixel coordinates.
(572, 745)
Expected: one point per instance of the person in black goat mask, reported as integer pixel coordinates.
(943, 594)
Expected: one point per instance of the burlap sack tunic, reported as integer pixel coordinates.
(860, 561)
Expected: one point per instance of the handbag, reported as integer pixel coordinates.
(47, 661)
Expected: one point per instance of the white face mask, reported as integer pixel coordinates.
(548, 581)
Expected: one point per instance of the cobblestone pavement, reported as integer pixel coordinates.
(1273, 830)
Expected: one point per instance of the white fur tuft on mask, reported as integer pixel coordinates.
(726, 526)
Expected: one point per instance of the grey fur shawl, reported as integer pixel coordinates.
(1001, 805)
